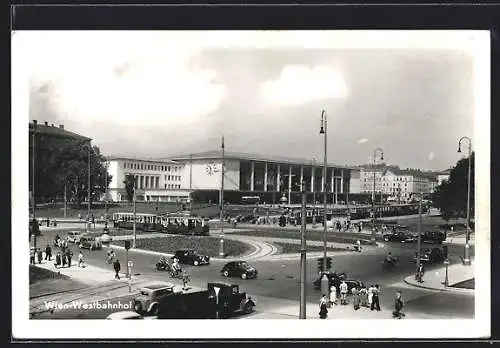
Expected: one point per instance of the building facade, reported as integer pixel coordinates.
(154, 180)
(443, 176)
(177, 178)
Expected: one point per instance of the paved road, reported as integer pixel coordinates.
(280, 279)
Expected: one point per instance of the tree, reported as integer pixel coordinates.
(451, 196)
(129, 186)
(63, 162)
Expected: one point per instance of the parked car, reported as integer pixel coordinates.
(74, 236)
(106, 238)
(399, 237)
(150, 296)
(335, 279)
(88, 241)
(191, 257)
(435, 237)
(434, 255)
(127, 315)
(239, 269)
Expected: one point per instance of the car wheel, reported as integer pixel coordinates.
(137, 307)
(226, 273)
(248, 308)
(155, 309)
(243, 276)
(196, 263)
(386, 239)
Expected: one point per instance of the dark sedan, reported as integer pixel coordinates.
(335, 280)
(239, 269)
(191, 257)
(434, 255)
(399, 237)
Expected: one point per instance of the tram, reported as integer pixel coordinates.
(182, 224)
(143, 222)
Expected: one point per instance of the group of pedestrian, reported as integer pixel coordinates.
(35, 255)
(63, 258)
(362, 297)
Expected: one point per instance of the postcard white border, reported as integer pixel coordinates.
(477, 43)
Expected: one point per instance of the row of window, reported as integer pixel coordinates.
(172, 186)
(156, 167)
(173, 177)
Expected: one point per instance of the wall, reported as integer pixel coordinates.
(206, 175)
(355, 182)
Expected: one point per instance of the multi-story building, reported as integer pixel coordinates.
(154, 180)
(199, 175)
(404, 184)
(443, 176)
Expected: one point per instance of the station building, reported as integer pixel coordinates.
(197, 177)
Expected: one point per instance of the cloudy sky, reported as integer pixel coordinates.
(156, 94)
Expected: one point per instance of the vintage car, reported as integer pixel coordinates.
(150, 297)
(74, 236)
(191, 257)
(434, 237)
(88, 241)
(399, 237)
(239, 269)
(434, 255)
(335, 279)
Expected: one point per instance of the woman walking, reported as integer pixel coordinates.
(375, 300)
(356, 299)
(323, 310)
(333, 295)
(370, 295)
(363, 294)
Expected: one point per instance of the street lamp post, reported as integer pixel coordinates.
(378, 149)
(446, 263)
(302, 314)
(33, 203)
(419, 238)
(466, 260)
(324, 130)
(134, 223)
(221, 251)
(106, 194)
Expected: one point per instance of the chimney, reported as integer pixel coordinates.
(35, 122)
(61, 126)
(46, 123)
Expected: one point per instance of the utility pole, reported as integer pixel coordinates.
(466, 260)
(106, 194)
(134, 222)
(303, 253)
(419, 240)
(221, 199)
(324, 130)
(373, 191)
(33, 203)
(65, 199)
(89, 189)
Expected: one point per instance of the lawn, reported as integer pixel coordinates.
(202, 244)
(291, 248)
(466, 284)
(311, 236)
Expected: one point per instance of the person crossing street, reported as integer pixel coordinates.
(116, 266)
(343, 293)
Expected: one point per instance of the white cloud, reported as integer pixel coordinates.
(362, 141)
(431, 156)
(299, 84)
(127, 79)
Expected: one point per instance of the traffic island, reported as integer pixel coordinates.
(456, 275)
(209, 246)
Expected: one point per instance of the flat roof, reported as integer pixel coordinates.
(141, 159)
(217, 154)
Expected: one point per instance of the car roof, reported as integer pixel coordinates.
(155, 286)
(123, 315)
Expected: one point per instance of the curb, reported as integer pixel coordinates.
(447, 289)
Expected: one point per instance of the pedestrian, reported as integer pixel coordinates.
(48, 253)
(80, 259)
(420, 272)
(356, 298)
(343, 293)
(358, 243)
(39, 255)
(80, 216)
(64, 259)
(58, 262)
(363, 295)
(323, 310)
(333, 295)
(370, 295)
(116, 266)
(376, 298)
(398, 306)
(69, 255)
(32, 256)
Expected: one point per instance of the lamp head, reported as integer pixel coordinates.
(382, 157)
(459, 150)
(322, 130)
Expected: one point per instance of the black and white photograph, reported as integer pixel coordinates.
(310, 183)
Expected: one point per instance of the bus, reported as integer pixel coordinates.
(143, 222)
(182, 224)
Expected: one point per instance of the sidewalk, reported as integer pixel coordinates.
(434, 280)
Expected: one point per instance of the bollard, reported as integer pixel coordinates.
(221, 247)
